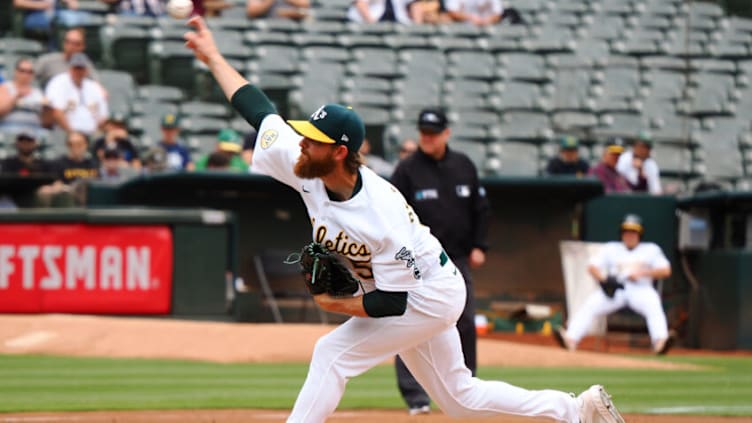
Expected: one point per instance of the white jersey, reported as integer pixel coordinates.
(480, 8)
(649, 168)
(616, 259)
(376, 229)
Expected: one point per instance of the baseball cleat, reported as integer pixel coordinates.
(662, 346)
(560, 334)
(596, 406)
(421, 409)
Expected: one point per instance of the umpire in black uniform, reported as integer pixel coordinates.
(442, 187)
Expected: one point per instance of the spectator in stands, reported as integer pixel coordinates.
(606, 171)
(290, 9)
(154, 8)
(638, 168)
(408, 147)
(22, 104)
(26, 161)
(113, 167)
(40, 15)
(116, 136)
(370, 11)
(72, 170)
(568, 161)
(218, 161)
(229, 145)
(155, 160)
(55, 63)
(481, 12)
(428, 12)
(77, 102)
(376, 163)
(177, 155)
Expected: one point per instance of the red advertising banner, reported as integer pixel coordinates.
(77, 268)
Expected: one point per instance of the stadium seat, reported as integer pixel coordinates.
(160, 93)
(519, 159)
(319, 84)
(520, 95)
(171, 63)
(203, 108)
(121, 89)
(470, 64)
(373, 61)
(126, 48)
(20, 47)
(525, 67)
(532, 127)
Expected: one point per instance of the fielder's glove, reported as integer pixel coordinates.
(323, 272)
(610, 285)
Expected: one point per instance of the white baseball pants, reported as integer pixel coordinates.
(640, 297)
(430, 347)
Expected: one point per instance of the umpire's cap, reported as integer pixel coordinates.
(333, 124)
(632, 222)
(432, 121)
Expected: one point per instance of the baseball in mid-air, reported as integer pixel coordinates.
(179, 9)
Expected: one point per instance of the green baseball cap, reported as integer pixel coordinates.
(333, 124)
(229, 140)
(569, 142)
(170, 120)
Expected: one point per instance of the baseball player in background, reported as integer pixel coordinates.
(413, 293)
(442, 186)
(630, 266)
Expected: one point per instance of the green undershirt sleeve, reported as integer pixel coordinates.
(252, 104)
(382, 303)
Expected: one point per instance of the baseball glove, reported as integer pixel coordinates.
(610, 285)
(323, 272)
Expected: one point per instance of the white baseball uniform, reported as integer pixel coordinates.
(640, 295)
(392, 251)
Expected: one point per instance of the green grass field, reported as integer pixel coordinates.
(42, 383)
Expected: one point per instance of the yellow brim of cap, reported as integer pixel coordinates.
(229, 146)
(631, 227)
(306, 129)
(615, 149)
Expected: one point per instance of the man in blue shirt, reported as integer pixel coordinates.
(178, 156)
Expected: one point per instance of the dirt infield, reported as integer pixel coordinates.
(235, 342)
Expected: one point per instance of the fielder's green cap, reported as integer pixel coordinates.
(333, 124)
(229, 140)
(569, 142)
(170, 120)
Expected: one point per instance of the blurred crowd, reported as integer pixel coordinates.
(57, 98)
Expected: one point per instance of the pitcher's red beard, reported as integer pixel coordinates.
(308, 168)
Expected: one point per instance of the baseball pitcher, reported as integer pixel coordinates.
(412, 293)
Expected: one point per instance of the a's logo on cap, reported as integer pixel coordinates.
(319, 114)
(344, 138)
